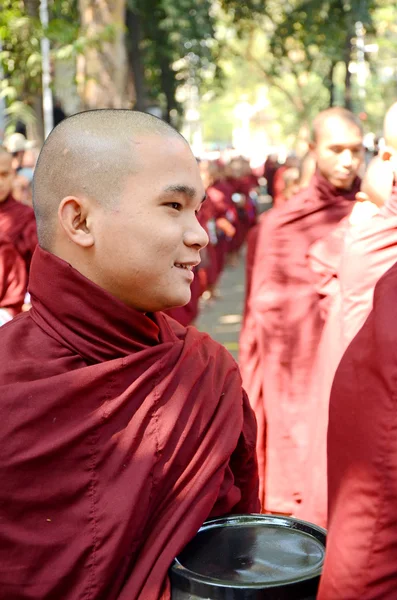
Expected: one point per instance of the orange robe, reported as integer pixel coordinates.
(361, 557)
(281, 334)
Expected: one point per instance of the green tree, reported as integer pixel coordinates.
(168, 44)
(20, 56)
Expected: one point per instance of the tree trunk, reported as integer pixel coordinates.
(135, 62)
(348, 76)
(167, 86)
(101, 71)
(331, 84)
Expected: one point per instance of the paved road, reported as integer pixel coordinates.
(222, 318)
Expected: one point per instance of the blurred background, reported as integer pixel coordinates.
(229, 74)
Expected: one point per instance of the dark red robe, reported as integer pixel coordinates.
(361, 555)
(18, 223)
(220, 196)
(281, 333)
(120, 434)
(12, 278)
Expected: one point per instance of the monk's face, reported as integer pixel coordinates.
(6, 175)
(339, 152)
(147, 245)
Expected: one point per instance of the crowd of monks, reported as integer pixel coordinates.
(123, 428)
(318, 265)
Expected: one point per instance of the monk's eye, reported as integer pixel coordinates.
(175, 205)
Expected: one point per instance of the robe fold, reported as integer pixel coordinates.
(361, 555)
(281, 333)
(369, 250)
(121, 433)
(18, 223)
(12, 278)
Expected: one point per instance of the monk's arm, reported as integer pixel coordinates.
(239, 492)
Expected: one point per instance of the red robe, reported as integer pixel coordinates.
(12, 278)
(279, 187)
(246, 215)
(361, 552)
(18, 223)
(370, 249)
(120, 433)
(281, 334)
(220, 196)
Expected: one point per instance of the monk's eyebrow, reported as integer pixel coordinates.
(181, 189)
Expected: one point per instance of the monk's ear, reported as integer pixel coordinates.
(312, 146)
(73, 215)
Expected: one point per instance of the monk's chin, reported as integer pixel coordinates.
(343, 184)
(176, 302)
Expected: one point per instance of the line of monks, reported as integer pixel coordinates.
(314, 267)
(121, 429)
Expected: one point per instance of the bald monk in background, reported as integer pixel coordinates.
(347, 264)
(362, 453)
(283, 322)
(17, 221)
(121, 431)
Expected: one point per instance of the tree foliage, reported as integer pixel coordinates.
(177, 44)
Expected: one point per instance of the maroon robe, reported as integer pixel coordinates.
(18, 223)
(12, 277)
(120, 433)
(281, 334)
(220, 196)
(361, 553)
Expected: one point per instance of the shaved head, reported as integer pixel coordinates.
(331, 114)
(390, 127)
(90, 154)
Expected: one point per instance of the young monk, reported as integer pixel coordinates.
(121, 431)
(283, 322)
(17, 221)
(362, 482)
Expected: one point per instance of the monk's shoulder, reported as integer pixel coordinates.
(27, 353)
(203, 345)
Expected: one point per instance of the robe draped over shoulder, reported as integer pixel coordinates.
(361, 552)
(121, 433)
(281, 333)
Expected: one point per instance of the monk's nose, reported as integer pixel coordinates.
(196, 236)
(347, 158)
